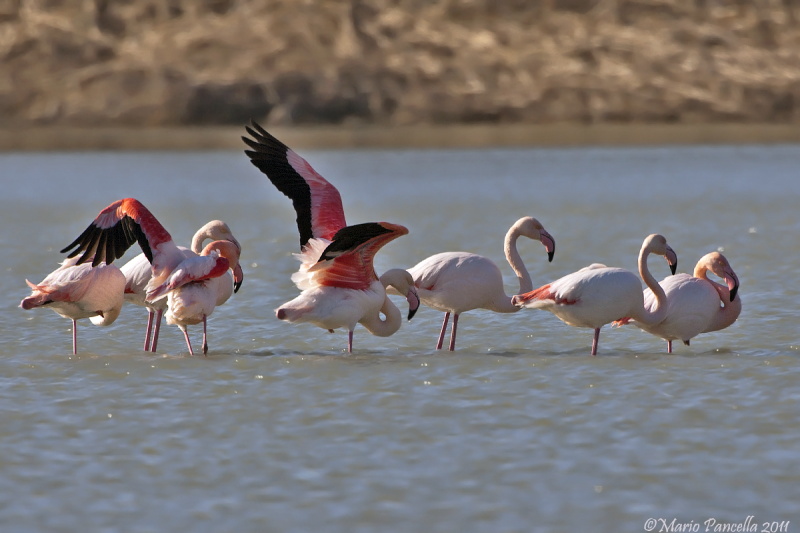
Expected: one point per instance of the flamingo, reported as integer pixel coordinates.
(456, 282)
(337, 278)
(126, 221)
(80, 291)
(137, 273)
(195, 289)
(696, 304)
(597, 295)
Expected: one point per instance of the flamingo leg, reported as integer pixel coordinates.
(74, 337)
(205, 342)
(669, 346)
(453, 333)
(595, 340)
(150, 314)
(350, 341)
(444, 328)
(188, 342)
(159, 315)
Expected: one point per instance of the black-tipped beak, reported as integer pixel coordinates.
(734, 291)
(549, 244)
(672, 260)
(238, 278)
(413, 303)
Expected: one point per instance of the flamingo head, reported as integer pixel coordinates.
(403, 282)
(657, 244)
(533, 229)
(719, 265)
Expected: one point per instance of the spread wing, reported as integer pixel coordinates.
(317, 203)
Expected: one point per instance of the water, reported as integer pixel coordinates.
(519, 430)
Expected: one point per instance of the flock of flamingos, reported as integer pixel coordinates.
(338, 284)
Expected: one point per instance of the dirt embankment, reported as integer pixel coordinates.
(397, 62)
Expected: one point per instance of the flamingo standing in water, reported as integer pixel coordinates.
(137, 273)
(696, 304)
(195, 289)
(80, 291)
(456, 282)
(126, 221)
(597, 295)
(338, 281)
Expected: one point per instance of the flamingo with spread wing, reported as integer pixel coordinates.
(337, 278)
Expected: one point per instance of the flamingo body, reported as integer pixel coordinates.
(592, 297)
(597, 295)
(126, 221)
(457, 282)
(695, 304)
(138, 273)
(337, 278)
(80, 291)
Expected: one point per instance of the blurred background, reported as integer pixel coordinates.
(363, 63)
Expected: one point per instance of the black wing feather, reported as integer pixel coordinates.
(351, 237)
(268, 155)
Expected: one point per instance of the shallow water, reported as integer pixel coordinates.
(519, 430)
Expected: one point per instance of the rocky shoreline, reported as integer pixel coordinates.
(155, 63)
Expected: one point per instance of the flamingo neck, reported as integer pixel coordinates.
(383, 327)
(729, 310)
(515, 260)
(657, 312)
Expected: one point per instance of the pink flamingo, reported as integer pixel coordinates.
(126, 221)
(137, 273)
(597, 295)
(337, 278)
(696, 304)
(456, 282)
(198, 286)
(80, 291)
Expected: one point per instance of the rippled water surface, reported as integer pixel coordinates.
(520, 430)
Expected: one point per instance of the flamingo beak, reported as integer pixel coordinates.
(549, 243)
(672, 259)
(733, 284)
(413, 302)
(238, 278)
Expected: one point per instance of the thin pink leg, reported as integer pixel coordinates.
(453, 333)
(595, 341)
(669, 346)
(159, 315)
(441, 333)
(150, 314)
(188, 342)
(350, 341)
(74, 337)
(205, 343)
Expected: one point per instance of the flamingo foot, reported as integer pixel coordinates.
(149, 328)
(205, 342)
(159, 315)
(188, 342)
(444, 329)
(453, 333)
(74, 337)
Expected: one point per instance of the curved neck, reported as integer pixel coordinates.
(383, 327)
(515, 260)
(728, 311)
(657, 312)
(198, 239)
